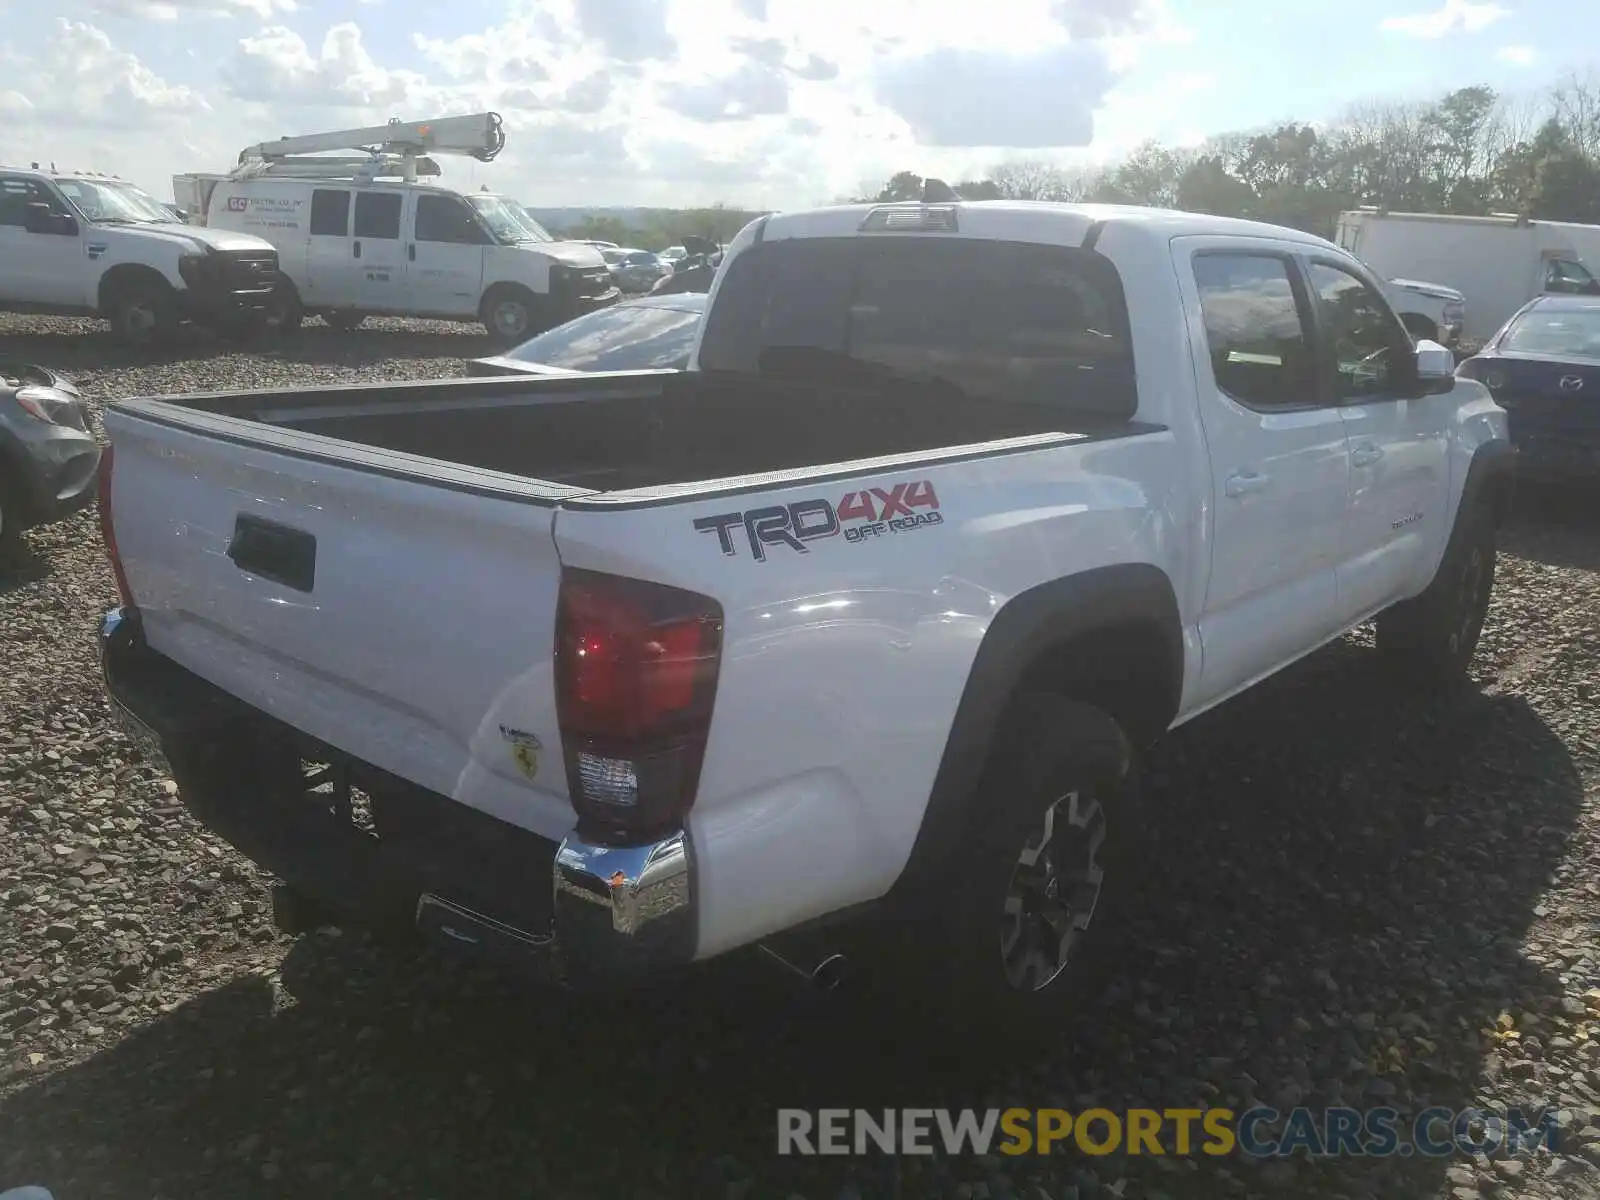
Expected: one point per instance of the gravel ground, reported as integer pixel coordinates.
(1364, 897)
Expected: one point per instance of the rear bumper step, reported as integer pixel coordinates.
(386, 854)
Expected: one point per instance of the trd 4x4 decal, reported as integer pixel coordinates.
(859, 516)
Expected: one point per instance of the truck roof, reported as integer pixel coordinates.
(1038, 220)
(53, 173)
(1497, 220)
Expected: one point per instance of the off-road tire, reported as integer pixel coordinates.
(946, 963)
(1432, 638)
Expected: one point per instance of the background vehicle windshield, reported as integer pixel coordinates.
(113, 200)
(543, 234)
(620, 338)
(507, 222)
(1038, 324)
(1568, 332)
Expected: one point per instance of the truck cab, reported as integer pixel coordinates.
(80, 244)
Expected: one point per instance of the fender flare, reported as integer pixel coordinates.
(128, 274)
(1030, 625)
(1491, 474)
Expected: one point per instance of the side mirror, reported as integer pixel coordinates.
(42, 219)
(1436, 368)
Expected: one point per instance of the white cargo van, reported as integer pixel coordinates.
(366, 236)
(1498, 263)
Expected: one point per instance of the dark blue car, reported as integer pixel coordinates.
(1543, 368)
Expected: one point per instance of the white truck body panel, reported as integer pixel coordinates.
(842, 665)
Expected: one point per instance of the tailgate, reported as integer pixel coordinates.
(405, 622)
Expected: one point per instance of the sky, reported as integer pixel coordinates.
(756, 103)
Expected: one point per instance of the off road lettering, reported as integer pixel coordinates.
(860, 515)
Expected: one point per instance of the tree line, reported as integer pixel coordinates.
(719, 223)
(1472, 152)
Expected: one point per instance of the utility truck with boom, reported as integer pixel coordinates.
(362, 234)
(862, 619)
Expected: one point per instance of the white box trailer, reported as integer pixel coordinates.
(1498, 263)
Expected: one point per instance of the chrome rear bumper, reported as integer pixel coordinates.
(607, 913)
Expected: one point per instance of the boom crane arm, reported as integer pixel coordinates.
(399, 147)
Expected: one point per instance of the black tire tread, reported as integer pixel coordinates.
(946, 965)
(1414, 635)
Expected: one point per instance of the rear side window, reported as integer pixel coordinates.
(621, 338)
(16, 195)
(1004, 321)
(1256, 330)
(377, 215)
(330, 213)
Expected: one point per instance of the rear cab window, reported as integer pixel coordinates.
(1003, 321)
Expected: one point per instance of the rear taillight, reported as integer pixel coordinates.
(108, 531)
(636, 667)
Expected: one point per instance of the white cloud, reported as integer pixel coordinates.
(276, 66)
(78, 79)
(1517, 56)
(630, 30)
(953, 97)
(756, 102)
(1452, 16)
(171, 10)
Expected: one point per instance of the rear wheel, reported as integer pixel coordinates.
(509, 313)
(1011, 935)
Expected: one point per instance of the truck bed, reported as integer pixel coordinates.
(628, 431)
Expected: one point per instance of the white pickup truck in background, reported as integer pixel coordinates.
(83, 245)
(863, 619)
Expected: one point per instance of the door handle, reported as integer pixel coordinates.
(356, 246)
(411, 252)
(1365, 456)
(1244, 483)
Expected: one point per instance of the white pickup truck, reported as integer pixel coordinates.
(863, 619)
(90, 245)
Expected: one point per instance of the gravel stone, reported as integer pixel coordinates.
(1352, 893)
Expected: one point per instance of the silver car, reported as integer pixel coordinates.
(635, 270)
